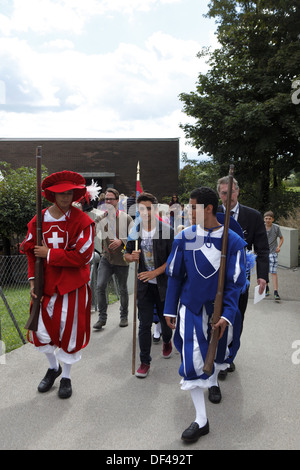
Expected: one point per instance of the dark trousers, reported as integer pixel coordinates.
(105, 271)
(243, 301)
(145, 314)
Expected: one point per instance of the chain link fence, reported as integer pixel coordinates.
(14, 301)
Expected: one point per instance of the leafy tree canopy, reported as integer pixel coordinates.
(17, 198)
(243, 105)
(195, 174)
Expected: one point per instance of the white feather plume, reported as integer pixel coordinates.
(93, 191)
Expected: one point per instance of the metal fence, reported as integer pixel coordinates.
(14, 301)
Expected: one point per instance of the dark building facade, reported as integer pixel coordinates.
(110, 162)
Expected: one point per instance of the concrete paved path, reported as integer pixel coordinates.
(111, 409)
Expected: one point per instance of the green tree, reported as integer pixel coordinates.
(17, 201)
(243, 107)
(193, 175)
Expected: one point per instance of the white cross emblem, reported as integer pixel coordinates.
(55, 240)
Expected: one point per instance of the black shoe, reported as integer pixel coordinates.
(65, 388)
(193, 432)
(222, 374)
(276, 296)
(98, 325)
(49, 379)
(267, 292)
(123, 322)
(155, 340)
(214, 394)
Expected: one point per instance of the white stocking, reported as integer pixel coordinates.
(157, 330)
(66, 371)
(197, 395)
(213, 379)
(52, 360)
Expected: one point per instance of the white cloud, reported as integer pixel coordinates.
(5, 25)
(43, 16)
(2, 92)
(62, 44)
(134, 75)
(54, 86)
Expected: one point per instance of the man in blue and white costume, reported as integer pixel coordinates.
(193, 271)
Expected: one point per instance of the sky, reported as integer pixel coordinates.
(100, 68)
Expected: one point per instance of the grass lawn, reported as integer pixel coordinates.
(19, 301)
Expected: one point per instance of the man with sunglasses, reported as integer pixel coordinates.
(113, 227)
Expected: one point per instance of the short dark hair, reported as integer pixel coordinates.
(143, 197)
(206, 196)
(114, 191)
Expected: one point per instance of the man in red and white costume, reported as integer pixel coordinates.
(68, 245)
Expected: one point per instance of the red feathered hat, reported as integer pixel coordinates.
(61, 182)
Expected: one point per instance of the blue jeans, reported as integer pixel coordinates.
(105, 271)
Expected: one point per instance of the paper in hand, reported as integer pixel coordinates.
(257, 296)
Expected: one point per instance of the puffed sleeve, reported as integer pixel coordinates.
(27, 247)
(176, 272)
(235, 282)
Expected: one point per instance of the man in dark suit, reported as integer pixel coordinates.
(255, 235)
